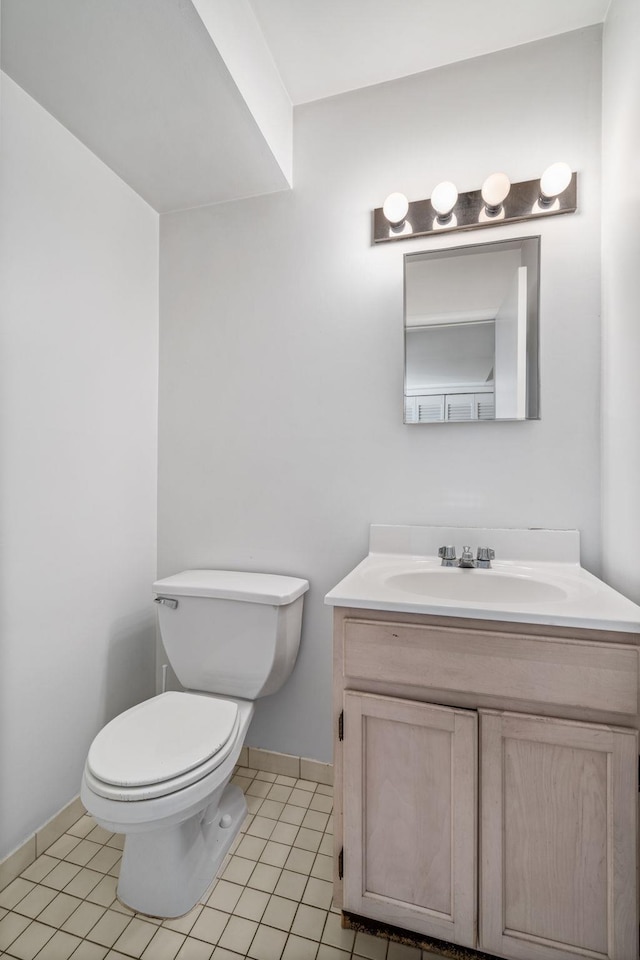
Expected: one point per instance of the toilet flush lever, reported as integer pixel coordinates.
(167, 602)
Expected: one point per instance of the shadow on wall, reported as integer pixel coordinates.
(130, 669)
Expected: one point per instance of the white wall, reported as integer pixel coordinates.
(78, 394)
(620, 300)
(281, 347)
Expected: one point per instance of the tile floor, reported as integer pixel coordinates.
(271, 902)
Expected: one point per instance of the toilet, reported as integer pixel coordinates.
(159, 773)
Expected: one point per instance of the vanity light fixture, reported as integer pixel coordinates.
(443, 200)
(553, 182)
(495, 191)
(498, 201)
(395, 208)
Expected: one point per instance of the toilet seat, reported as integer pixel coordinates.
(161, 746)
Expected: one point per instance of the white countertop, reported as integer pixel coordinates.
(527, 562)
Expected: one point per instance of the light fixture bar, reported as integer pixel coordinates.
(470, 212)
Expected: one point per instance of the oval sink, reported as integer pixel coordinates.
(475, 586)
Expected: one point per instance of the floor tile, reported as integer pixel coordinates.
(264, 877)
(297, 948)
(59, 910)
(261, 827)
(11, 926)
(335, 935)
(225, 896)
(82, 883)
(331, 953)
(271, 808)
(238, 870)
(300, 861)
(82, 827)
(16, 891)
(63, 846)
(308, 839)
(104, 892)
(291, 885)
(322, 867)
(321, 803)
(61, 875)
(275, 854)
(104, 859)
(209, 925)
(309, 785)
(280, 912)
(31, 941)
(194, 950)
(238, 935)
(284, 833)
(300, 798)
(309, 922)
(374, 948)
(400, 951)
(318, 893)
(292, 814)
(164, 945)
(60, 947)
(82, 852)
(39, 868)
(316, 820)
(267, 944)
(279, 793)
(250, 847)
(135, 938)
(35, 901)
(251, 904)
(108, 928)
(90, 951)
(83, 919)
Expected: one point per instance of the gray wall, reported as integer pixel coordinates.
(620, 301)
(78, 411)
(281, 434)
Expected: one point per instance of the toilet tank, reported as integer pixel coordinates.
(231, 632)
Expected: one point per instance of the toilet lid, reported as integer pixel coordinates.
(161, 739)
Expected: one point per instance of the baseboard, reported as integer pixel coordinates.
(287, 765)
(13, 864)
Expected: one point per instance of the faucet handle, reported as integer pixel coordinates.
(447, 553)
(486, 553)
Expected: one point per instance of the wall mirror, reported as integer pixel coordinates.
(471, 332)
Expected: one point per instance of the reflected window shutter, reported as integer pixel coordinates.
(485, 406)
(460, 406)
(410, 414)
(430, 409)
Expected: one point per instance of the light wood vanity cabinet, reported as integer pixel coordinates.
(487, 783)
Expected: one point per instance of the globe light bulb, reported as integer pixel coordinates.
(554, 181)
(395, 208)
(444, 199)
(495, 191)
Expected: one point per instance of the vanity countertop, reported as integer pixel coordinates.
(535, 578)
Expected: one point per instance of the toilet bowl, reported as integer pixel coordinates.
(159, 773)
(178, 823)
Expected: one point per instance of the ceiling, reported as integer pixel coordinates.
(326, 47)
(190, 101)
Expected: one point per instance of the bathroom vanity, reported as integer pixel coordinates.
(486, 756)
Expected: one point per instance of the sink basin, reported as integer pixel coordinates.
(478, 586)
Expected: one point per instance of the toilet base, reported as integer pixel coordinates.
(164, 872)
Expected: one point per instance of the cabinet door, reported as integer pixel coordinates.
(410, 815)
(558, 838)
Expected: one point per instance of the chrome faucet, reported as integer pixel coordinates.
(483, 558)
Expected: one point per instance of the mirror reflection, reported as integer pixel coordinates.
(471, 332)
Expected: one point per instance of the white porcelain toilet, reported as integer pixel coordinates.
(159, 773)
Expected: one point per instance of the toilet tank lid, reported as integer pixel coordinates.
(233, 585)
